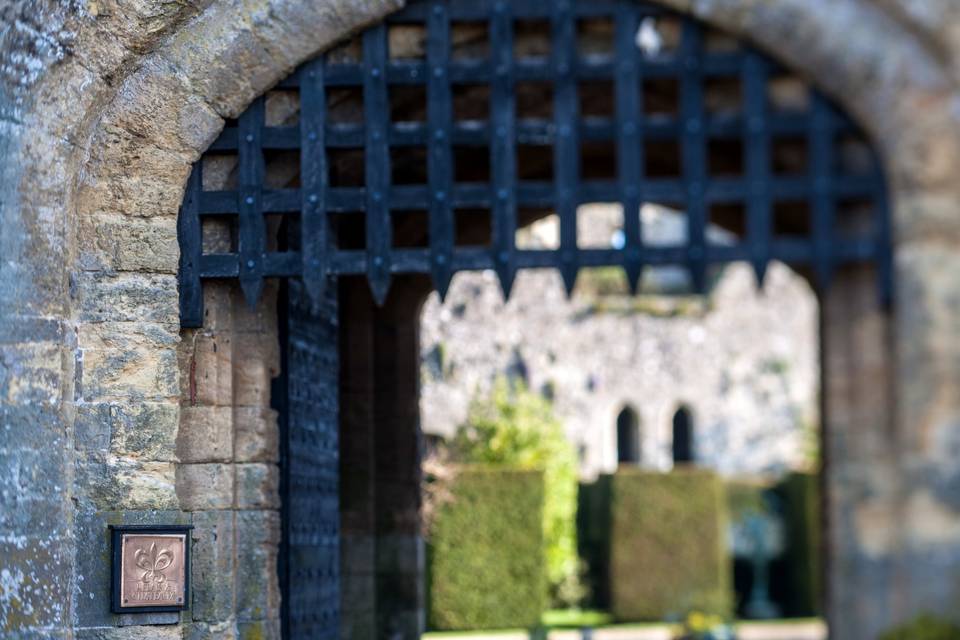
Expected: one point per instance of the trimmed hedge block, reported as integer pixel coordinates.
(486, 552)
(669, 551)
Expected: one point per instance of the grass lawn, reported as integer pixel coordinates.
(438, 635)
(576, 619)
(553, 619)
(778, 622)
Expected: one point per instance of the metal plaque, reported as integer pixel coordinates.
(151, 568)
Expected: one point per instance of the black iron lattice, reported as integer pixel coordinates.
(823, 194)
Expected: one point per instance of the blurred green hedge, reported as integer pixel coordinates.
(514, 427)
(486, 552)
(745, 497)
(668, 551)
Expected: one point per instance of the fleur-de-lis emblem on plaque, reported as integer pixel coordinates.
(153, 563)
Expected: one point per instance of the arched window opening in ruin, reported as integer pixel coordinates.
(629, 445)
(683, 436)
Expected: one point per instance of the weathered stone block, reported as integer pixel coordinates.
(146, 431)
(36, 464)
(928, 322)
(920, 565)
(139, 632)
(34, 473)
(241, 70)
(155, 618)
(17, 328)
(218, 305)
(92, 427)
(126, 483)
(33, 373)
(932, 524)
(293, 32)
(258, 486)
(257, 434)
(155, 105)
(122, 244)
(23, 516)
(33, 567)
(927, 155)
(44, 634)
(924, 215)
(258, 591)
(126, 297)
(47, 432)
(122, 28)
(212, 566)
(259, 630)
(126, 361)
(206, 631)
(253, 357)
(209, 370)
(129, 176)
(203, 487)
(206, 434)
(260, 319)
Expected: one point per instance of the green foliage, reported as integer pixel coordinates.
(775, 366)
(650, 305)
(602, 281)
(517, 428)
(800, 496)
(924, 627)
(575, 618)
(811, 446)
(486, 567)
(607, 290)
(668, 545)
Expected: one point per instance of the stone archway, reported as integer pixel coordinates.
(100, 142)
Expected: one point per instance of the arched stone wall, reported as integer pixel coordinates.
(103, 107)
